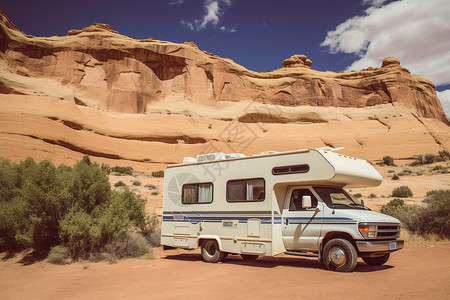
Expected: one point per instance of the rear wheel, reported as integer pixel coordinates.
(340, 255)
(376, 261)
(249, 256)
(211, 252)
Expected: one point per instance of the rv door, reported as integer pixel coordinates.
(302, 219)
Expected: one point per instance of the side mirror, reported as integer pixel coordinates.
(362, 202)
(306, 202)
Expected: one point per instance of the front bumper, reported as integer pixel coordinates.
(380, 246)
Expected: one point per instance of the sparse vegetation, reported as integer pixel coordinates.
(119, 184)
(136, 183)
(433, 218)
(444, 155)
(391, 171)
(357, 195)
(150, 186)
(122, 170)
(210, 126)
(158, 174)
(155, 193)
(67, 213)
(426, 159)
(372, 196)
(395, 177)
(402, 192)
(388, 161)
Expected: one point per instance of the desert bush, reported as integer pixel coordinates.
(43, 206)
(119, 183)
(426, 159)
(388, 161)
(154, 239)
(122, 170)
(391, 171)
(402, 192)
(372, 196)
(158, 174)
(155, 193)
(357, 195)
(106, 168)
(395, 177)
(444, 155)
(433, 218)
(136, 183)
(59, 255)
(132, 245)
(151, 186)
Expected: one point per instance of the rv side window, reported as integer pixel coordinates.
(246, 190)
(197, 193)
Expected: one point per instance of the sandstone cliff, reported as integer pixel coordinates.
(98, 92)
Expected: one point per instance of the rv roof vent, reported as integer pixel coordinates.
(210, 156)
(189, 160)
(234, 155)
(269, 152)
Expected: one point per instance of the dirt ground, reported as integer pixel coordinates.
(420, 271)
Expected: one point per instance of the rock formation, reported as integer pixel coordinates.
(97, 74)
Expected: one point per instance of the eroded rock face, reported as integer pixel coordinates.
(99, 68)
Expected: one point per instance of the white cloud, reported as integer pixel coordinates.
(225, 29)
(213, 11)
(444, 96)
(176, 2)
(415, 31)
(376, 3)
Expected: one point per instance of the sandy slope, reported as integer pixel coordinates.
(420, 271)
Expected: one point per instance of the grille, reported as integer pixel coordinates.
(388, 231)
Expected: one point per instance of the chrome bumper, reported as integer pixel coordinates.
(379, 246)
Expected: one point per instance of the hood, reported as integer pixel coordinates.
(365, 216)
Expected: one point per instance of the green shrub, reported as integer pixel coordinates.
(433, 218)
(444, 155)
(372, 196)
(424, 159)
(357, 195)
(439, 168)
(158, 174)
(122, 170)
(119, 183)
(402, 192)
(59, 255)
(391, 171)
(64, 211)
(151, 186)
(395, 177)
(388, 161)
(136, 183)
(106, 168)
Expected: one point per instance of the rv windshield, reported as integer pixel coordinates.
(338, 198)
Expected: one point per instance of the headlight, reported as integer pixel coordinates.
(368, 231)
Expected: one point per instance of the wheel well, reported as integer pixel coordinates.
(201, 240)
(337, 235)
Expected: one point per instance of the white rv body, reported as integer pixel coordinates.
(267, 225)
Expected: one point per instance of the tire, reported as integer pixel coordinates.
(376, 261)
(249, 256)
(340, 255)
(211, 252)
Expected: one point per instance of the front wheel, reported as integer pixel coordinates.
(376, 261)
(340, 255)
(211, 252)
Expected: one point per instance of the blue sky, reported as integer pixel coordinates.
(260, 34)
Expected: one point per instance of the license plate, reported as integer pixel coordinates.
(392, 246)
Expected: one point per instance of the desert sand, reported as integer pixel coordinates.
(420, 271)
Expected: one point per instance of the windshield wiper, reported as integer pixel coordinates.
(332, 205)
(360, 205)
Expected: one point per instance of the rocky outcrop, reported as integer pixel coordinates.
(100, 68)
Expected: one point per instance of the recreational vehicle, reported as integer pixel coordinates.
(276, 202)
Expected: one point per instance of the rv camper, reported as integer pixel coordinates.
(276, 202)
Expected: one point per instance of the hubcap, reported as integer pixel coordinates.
(337, 256)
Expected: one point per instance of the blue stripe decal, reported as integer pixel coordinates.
(194, 217)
